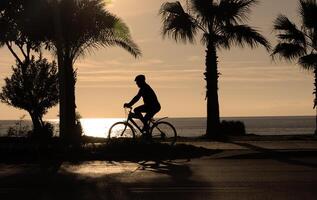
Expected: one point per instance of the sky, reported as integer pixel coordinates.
(251, 84)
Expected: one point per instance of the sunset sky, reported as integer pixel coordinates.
(251, 84)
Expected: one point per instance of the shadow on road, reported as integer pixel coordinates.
(286, 157)
(176, 171)
(67, 175)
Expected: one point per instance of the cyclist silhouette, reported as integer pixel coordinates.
(151, 105)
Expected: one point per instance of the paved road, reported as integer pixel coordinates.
(231, 174)
(230, 179)
(273, 145)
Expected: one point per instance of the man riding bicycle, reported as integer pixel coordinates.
(151, 105)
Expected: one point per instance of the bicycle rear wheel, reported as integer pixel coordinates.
(121, 130)
(164, 132)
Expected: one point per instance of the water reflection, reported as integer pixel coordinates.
(95, 127)
(98, 127)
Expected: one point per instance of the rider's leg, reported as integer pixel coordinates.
(149, 115)
(138, 112)
(147, 118)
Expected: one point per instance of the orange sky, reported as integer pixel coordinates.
(250, 85)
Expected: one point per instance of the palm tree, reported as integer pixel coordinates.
(71, 29)
(299, 44)
(222, 23)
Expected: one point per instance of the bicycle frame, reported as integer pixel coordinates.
(135, 125)
(159, 130)
(151, 121)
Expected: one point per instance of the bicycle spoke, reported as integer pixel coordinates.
(121, 130)
(163, 132)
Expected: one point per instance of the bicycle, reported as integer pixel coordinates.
(159, 130)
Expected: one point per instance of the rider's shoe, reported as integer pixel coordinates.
(146, 129)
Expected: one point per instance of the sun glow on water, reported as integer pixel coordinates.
(98, 127)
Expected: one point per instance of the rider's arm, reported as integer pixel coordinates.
(135, 99)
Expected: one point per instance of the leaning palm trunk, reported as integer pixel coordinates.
(211, 77)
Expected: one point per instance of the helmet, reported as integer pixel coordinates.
(140, 78)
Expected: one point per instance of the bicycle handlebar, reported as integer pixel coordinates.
(127, 110)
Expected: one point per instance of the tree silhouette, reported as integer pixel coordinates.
(222, 23)
(299, 44)
(14, 22)
(20, 90)
(72, 28)
(33, 87)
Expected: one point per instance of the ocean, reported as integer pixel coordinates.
(192, 127)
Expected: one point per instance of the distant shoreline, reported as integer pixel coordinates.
(225, 117)
(195, 127)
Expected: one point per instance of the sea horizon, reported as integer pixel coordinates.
(192, 126)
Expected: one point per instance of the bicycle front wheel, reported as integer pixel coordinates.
(121, 130)
(164, 132)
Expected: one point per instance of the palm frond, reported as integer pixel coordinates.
(309, 61)
(234, 11)
(119, 35)
(308, 11)
(288, 51)
(168, 8)
(288, 31)
(222, 40)
(122, 39)
(87, 25)
(205, 10)
(242, 35)
(177, 24)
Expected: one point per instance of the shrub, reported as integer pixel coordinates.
(19, 129)
(46, 132)
(232, 128)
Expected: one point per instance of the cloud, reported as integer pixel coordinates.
(250, 72)
(195, 58)
(117, 74)
(89, 64)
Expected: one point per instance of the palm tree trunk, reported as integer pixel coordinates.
(66, 84)
(67, 100)
(315, 100)
(62, 95)
(70, 101)
(211, 77)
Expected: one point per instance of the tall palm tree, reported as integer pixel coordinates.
(222, 23)
(72, 28)
(299, 44)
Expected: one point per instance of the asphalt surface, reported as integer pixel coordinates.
(243, 170)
